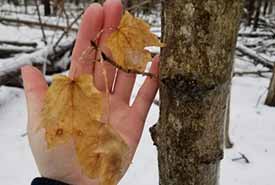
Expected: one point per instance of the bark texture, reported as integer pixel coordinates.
(270, 100)
(195, 75)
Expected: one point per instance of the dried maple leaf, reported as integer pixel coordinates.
(69, 103)
(128, 42)
(72, 110)
(107, 153)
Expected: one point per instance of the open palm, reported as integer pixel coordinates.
(60, 163)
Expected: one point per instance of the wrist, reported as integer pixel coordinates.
(50, 181)
(87, 181)
(47, 181)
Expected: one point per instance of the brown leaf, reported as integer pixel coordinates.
(107, 153)
(128, 42)
(72, 110)
(68, 103)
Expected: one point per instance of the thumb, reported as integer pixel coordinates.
(35, 87)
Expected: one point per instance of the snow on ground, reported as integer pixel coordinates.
(27, 34)
(252, 130)
(17, 165)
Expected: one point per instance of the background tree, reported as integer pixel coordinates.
(257, 16)
(26, 6)
(15, 2)
(250, 7)
(195, 75)
(47, 7)
(270, 100)
(253, 9)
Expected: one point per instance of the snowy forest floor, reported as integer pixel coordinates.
(252, 129)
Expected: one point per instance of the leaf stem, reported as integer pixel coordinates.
(110, 61)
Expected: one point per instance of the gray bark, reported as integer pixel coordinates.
(270, 100)
(195, 74)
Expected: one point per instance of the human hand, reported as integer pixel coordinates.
(60, 163)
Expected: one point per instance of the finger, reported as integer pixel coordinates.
(91, 25)
(124, 86)
(35, 87)
(147, 92)
(112, 15)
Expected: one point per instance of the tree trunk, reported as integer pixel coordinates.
(266, 3)
(250, 6)
(270, 100)
(270, 9)
(76, 2)
(257, 16)
(47, 7)
(195, 76)
(26, 6)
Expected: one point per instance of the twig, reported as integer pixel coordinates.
(260, 97)
(66, 17)
(44, 69)
(67, 29)
(57, 24)
(260, 73)
(40, 21)
(242, 157)
(5, 20)
(138, 5)
(110, 61)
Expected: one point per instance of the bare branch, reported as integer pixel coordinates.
(49, 26)
(68, 29)
(40, 22)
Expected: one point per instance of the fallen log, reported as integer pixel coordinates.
(267, 22)
(33, 23)
(256, 34)
(10, 68)
(258, 58)
(265, 46)
(9, 52)
(12, 79)
(19, 43)
(16, 12)
(258, 73)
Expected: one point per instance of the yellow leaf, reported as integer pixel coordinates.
(128, 43)
(69, 103)
(72, 110)
(107, 154)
